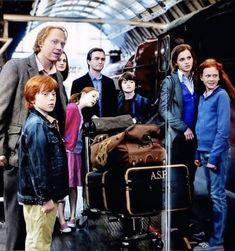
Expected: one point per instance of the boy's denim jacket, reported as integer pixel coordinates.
(43, 171)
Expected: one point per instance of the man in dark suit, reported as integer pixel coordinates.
(15, 73)
(107, 105)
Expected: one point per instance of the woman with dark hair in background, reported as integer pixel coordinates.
(62, 65)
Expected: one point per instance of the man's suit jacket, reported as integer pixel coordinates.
(14, 75)
(109, 96)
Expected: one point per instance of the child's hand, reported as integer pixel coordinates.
(3, 160)
(212, 167)
(189, 134)
(197, 162)
(48, 206)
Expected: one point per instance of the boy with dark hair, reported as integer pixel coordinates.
(130, 102)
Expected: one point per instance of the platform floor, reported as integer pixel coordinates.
(101, 234)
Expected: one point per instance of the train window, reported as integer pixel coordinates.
(164, 54)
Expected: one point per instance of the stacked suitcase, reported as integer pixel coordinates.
(135, 191)
(139, 191)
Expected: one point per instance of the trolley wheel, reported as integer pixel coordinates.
(83, 221)
(129, 243)
(125, 244)
(157, 244)
(124, 249)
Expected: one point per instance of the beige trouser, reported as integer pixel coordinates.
(39, 228)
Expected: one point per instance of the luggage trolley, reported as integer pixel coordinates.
(117, 124)
(133, 195)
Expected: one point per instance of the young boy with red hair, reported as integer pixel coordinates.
(43, 172)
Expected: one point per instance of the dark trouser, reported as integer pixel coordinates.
(15, 224)
(183, 152)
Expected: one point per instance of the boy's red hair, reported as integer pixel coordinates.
(38, 84)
